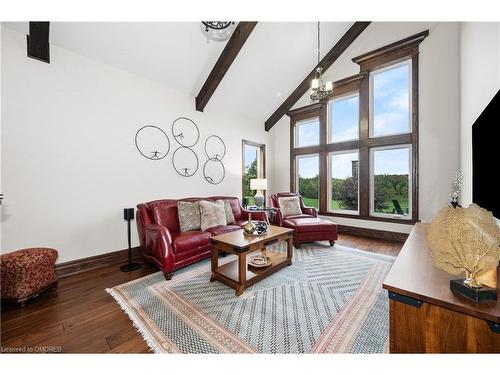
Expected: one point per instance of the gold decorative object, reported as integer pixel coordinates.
(249, 226)
(465, 240)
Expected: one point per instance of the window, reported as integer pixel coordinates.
(344, 118)
(307, 133)
(391, 100)
(308, 179)
(344, 181)
(253, 167)
(390, 181)
(355, 153)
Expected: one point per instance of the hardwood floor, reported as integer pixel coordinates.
(370, 244)
(80, 317)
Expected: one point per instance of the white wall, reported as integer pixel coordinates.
(479, 82)
(69, 163)
(438, 112)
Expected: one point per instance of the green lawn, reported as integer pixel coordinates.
(251, 201)
(403, 202)
(311, 202)
(314, 202)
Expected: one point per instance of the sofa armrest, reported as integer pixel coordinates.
(310, 211)
(256, 215)
(278, 218)
(159, 246)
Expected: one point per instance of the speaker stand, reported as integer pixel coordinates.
(130, 266)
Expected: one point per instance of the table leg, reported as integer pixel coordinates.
(289, 250)
(215, 261)
(242, 273)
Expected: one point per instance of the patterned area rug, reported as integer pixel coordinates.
(329, 301)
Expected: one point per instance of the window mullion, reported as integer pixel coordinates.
(323, 155)
(364, 181)
(364, 151)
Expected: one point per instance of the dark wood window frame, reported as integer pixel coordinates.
(404, 50)
(262, 166)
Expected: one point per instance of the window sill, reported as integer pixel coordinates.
(371, 218)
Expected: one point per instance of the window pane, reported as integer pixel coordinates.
(344, 119)
(252, 168)
(391, 181)
(308, 179)
(344, 184)
(391, 101)
(308, 133)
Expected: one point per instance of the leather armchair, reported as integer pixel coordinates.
(306, 211)
(307, 227)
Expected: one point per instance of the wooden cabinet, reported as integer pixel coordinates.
(426, 317)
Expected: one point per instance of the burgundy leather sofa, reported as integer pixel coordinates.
(164, 245)
(307, 227)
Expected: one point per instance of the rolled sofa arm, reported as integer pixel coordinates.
(158, 245)
(256, 215)
(279, 217)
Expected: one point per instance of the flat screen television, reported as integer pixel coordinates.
(486, 158)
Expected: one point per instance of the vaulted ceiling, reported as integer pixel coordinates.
(271, 64)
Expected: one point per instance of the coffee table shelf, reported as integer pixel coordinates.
(238, 274)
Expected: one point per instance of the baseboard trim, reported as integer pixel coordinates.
(77, 266)
(372, 233)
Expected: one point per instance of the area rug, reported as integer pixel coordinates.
(330, 300)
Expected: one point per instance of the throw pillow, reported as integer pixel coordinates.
(229, 213)
(212, 214)
(290, 206)
(189, 216)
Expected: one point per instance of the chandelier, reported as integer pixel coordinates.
(217, 30)
(319, 89)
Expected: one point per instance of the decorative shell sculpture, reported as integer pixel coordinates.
(464, 239)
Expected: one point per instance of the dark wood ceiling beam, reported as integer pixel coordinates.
(231, 50)
(337, 50)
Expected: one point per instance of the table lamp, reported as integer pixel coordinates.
(258, 184)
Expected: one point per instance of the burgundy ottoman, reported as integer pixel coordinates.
(311, 229)
(26, 273)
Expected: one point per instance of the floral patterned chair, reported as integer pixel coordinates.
(26, 273)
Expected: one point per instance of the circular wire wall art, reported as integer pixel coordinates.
(185, 132)
(152, 142)
(215, 147)
(214, 171)
(185, 161)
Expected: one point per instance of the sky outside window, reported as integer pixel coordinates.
(344, 119)
(391, 101)
(308, 133)
(251, 153)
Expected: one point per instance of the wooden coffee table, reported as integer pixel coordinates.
(238, 274)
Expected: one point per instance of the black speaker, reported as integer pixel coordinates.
(128, 214)
(245, 202)
(38, 41)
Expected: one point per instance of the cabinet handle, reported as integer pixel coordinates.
(495, 327)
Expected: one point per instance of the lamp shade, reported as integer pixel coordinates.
(258, 184)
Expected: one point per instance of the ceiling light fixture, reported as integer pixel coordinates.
(319, 89)
(218, 31)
